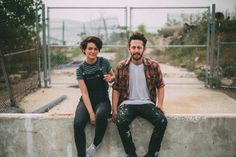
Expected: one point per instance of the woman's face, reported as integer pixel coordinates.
(91, 51)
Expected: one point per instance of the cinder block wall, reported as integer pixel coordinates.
(41, 135)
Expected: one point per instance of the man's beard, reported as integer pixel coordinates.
(135, 57)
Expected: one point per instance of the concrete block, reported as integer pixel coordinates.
(41, 135)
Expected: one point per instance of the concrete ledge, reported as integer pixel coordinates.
(41, 135)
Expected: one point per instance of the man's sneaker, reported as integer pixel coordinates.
(90, 151)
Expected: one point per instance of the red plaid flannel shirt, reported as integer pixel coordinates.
(153, 76)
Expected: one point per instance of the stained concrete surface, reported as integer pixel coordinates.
(188, 135)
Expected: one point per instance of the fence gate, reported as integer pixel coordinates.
(168, 29)
(179, 31)
(68, 26)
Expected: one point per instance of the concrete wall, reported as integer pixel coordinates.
(41, 135)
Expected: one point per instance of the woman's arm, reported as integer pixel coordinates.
(87, 102)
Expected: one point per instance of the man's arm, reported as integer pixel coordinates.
(115, 100)
(160, 98)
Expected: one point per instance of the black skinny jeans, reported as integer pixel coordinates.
(102, 111)
(150, 112)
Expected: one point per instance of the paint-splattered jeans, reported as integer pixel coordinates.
(127, 113)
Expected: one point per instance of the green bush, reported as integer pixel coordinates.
(59, 58)
(234, 81)
(76, 52)
(229, 71)
(201, 75)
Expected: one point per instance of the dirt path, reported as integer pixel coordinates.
(184, 94)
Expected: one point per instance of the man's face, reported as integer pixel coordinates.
(136, 49)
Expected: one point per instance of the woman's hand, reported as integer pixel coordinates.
(108, 77)
(92, 118)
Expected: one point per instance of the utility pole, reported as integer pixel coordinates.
(63, 33)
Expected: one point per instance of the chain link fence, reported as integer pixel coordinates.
(19, 75)
(68, 26)
(180, 31)
(65, 33)
(226, 65)
(178, 36)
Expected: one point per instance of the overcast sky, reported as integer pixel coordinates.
(139, 17)
(221, 5)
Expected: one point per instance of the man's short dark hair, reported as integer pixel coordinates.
(91, 39)
(138, 36)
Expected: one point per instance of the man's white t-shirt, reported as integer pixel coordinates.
(138, 91)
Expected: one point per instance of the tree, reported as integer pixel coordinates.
(17, 24)
(142, 28)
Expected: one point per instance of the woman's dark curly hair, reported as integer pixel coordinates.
(91, 39)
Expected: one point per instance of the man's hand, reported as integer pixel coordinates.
(161, 108)
(114, 116)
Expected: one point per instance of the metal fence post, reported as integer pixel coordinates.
(212, 45)
(218, 58)
(38, 45)
(44, 46)
(130, 19)
(49, 47)
(9, 87)
(126, 22)
(208, 48)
